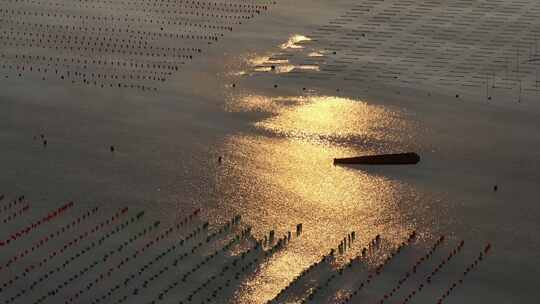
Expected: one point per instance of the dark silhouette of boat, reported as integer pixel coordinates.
(409, 158)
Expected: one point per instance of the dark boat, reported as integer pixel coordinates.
(409, 158)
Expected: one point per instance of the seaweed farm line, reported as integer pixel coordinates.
(73, 254)
(112, 44)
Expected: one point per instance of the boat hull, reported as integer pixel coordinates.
(409, 158)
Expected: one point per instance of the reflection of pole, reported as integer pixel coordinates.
(487, 87)
(536, 80)
(506, 66)
(517, 61)
(536, 76)
(519, 97)
(535, 43)
(517, 70)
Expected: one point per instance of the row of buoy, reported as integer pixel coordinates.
(19, 201)
(70, 74)
(444, 261)
(156, 3)
(104, 45)
(224, 229)
(16, 214)
(327, 31)
(469, 268)
(244, 258)
(67, 38)
(244, 233)
(419, 288)
(212, 287)
(178, 226)
(99, 81)
(233, 9)
(184, 4)
(95, 49)
(191, 236)
(242, 265)
(82, 252)
(183, 256)
(67, 74)
(155, 7)
(373, 245)
(106, 30)
(104, 85)
(244, 268)
(158, 238)
(104, 259)
(31, 228)
(413, 269)
(132, 239)
(98, 45)
(7, 13)
(50, 237)
(214, 24)
(431, 251)
(248, 266)
(134, 32)
(56, 253)
(189, 218)
(380, 267)
(235, 18)
(182, 242)
(110, 271)
(330, 256)
(424, 258)
(203, 227)
(75, 241)
(138, 68)
(298, 279)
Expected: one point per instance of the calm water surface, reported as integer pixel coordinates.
(277, 146)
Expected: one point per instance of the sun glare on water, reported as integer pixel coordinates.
(299, 138)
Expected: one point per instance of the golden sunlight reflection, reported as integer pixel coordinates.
(261, 60)
(286, 68)
(323, 118)
(295, 41)
(315, 54)
(302, 186)
(285, 176)
(273, 62)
